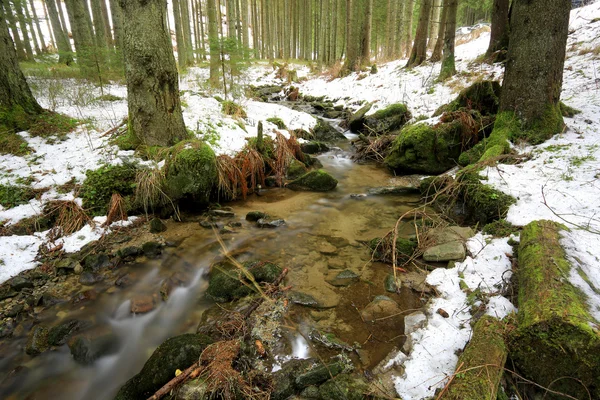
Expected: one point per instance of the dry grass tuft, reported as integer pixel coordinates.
(294, 146)
(283, 157)
(222, 380)
(334, 71)
(116, 210)
(252, 165)
(231, 179)
(368, 149)
(70, 217)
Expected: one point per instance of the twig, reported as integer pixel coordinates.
(173, 383)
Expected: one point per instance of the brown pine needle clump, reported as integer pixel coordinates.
(222, 380)
(116, 210)
(70, 217)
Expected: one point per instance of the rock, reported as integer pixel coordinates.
(96, 262)
(483, 96)
(357, 120)
(209, 224)
(392, 284)
(88, 278)
(316, 181)
(179, 352)
(7, 292)
(323, 132)
(37, 341)
(87, 350)
(319, 374)
(225, 279)
(315, 299)
(157, 226)
(7, 327)
(329, 340)
(67, 265)
(327, 248)
(235, 224)
(152, 249)
(344, 387)
(333, 114)
(269, 223)
(59, 334)
(313, 147)
(452, 251)
(254, 216)
(48, 299)
(296, 169)
(143, 303)
(194, 389)
(84, 296)
(414, 321)
(19, 283)
(449, 234)
(78, 269)
(386, 120)
(226, 230)
(416, 281)
(129, 253)
(381, 306)
(344, 278)
(382, 248)
(284, 380)
(221, 213)
(336, 263)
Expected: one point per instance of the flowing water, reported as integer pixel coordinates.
(323, 235)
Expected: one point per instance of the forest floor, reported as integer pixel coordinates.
(560, 181)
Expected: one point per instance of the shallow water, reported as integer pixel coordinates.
(323, 233)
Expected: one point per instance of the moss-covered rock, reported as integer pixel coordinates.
(296, 169)
(228, 283)
(127, 141)
(344, 387)
(178, 352)
(233, 109)
(278, 122)
(382, 248)
(357, 120)
(386, 120)
(483, 96)
(102, 183)
(315, 181)
(555, 338)
(313, 147)
(421, 148)
(191, 172)
(481, 364)
(501, 228)
(324, 132)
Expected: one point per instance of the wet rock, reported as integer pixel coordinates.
(316, 181)
(48, 299)
(59, 334)
(296, 169)
(323, 298)
(357, 120)
(7, 292)
(19, 283)
(124, 280)
(235, 224)
(194, 389)
(254, 216)
(392, 284)
(152, 249)
(209, 224)
(393, 190)
(179, 352)
(270, 223)
(344, 278)
(313, 147)
(327, 248)
(143, 303)
(329, 340)
(453, 251)
(129, 253)
(7, 327)
(67, 265)
(381, 306)
(37, 342)
(221, 213)
(416, 281)
(96, 262)
(319, 374)
(324, 132)
(157, 226)
(285, 379)
(226, 229)
(225, 282)
(87, 350)
(344, 387)
(88, 278)
(336, 263)
(14, 310)
(84, 296)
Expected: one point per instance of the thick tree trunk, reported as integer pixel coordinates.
(408, 24)
(36, 43)
(14, 91)
(106, 22)
(448, 64)
(534, 70)
(155, 115)
(213, 42)
(83, 38)
(37, 26)
(65, 54)
(23, 25)
(187, 32)
(48, 24)
(63, 19)
(100, 30)
(181, 51)
(434, 24)
(500, 28)
(436, 55)
(117, 21)
(366, 34)
(418, 53)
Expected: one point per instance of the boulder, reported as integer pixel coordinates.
(254, 216)
(59, 334)
(381, 306)
(357, 120)
(157, 226)
(225, 281)
(315, 181)
(344, 278)
(323, 132)
(270, 223)
(313, 147)
(451, 251)
(37, 342)
(483, 96)
(386, 120)
(87, 350)
(296, 169)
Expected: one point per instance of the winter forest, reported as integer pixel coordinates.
(300, 199)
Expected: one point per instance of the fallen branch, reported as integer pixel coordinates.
(111, 131)
(191, 372)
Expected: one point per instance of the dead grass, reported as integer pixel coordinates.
(590, 50)
(231, 181)
(334, 71)
(368, 149)
(116, 210)
(222, 380)
(70, 217)
(283, 157)
(150, 189)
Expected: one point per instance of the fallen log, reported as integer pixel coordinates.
(556, 343)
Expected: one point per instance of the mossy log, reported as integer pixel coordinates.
(555, 344)
(481, 365)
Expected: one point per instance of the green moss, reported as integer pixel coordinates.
(235, 110)
(50, 123)
(12, 196)
(228, 283)
(277, 122)
(382, 248)
(100, 184)
(296, 169)
(13, 143)
(390, 111)
(554, 338)
(501, 228)
(191, 171)
(483, 96)
(486, 203)
(14, 120)
(421, 148)
(127, 141)
(481, 364)
(317, 181)
(568, 111)
(344, 387)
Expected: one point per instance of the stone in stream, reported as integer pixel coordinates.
(392, 284)
(357, 120)
(313, 147)
(270, 223)
(58, 335)
(143, 303)
(225, 279)
(157, 226)
(209, 224)
(381, 306)
(316, 181)
(324, 132)
(129, 253)
(178, 352)
(88, 278)
(37, 341)
(152, 249)
(452, 251)
(344, 386)
(296, 169)
(87, 350)
(327, 248)
(344, 278)
(7, 327)
(96, 262)
(254, 216)
(316, 299)
(221, 213)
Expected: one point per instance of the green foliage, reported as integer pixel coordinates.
(127, 141)
(568, 111)
(100, 184)
(233, 109)
(50, 124)
(277, 122)
(13, 143)
(11, 196)
(227, 282)
(501, 228)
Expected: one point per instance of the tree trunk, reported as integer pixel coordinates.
(65, 54)
(408, 23)
(155, 116)
(436, 55)
(83, 38)
(366, 34)
(435, 24)
(117, 22)
(534, 70)
(399, 22)
(107, 31)
(213, 42)
(245, 23)
(14, 91)
(23, 25)
(187, 31)
(500, 28)
(10, 19)
(63, 20)
(418, 53)
(100, 29)
(181, 51)
(48, 24)
(37, 25)
(448, 64)
(36, 43)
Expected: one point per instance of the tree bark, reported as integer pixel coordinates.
(418, 53)
(213, 42)
(23, 25)
(408, 23)
(65, 54)
(155, 116)
(181, 51)
(107, 31)
(100, 29)
(534, 70)
(48, 24)
(500, 28)
(36, 43)
(117, 21)
(14, 90)
(448, 64)
(83, 38)
(37, 25)
(435, 24)
(436, 55)
(187, 31)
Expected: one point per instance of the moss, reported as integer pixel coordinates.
(481, 364)
(50, 123)
(191, 171)
(486, 203)
(325, 132)
(228, 283)
(278, 122)
(296, 169)
(12, 196)
(316, 181)
(568, 111)
(386, 120)
(127, 141)
(421, 148)
(390, 111)
(13, 143)
(357, 120)
(235, 110)
(554, 338)
(483, 96)
(501, 228)
(14, 119)
(344, 387)
(100, 184)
